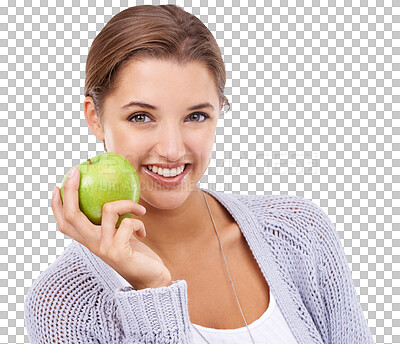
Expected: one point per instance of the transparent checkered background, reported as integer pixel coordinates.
(314, 88)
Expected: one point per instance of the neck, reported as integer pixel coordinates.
(171, 232)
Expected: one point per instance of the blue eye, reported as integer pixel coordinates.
(143, 115)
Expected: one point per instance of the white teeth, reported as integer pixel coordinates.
(165, 172)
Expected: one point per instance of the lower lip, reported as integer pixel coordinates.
(165, 181)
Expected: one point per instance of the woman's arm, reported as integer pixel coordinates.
(69, 304)
(346, 323)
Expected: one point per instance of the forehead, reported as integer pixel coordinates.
(156, 79)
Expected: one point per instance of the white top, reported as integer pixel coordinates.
(271, 327)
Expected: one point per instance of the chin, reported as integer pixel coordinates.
(165, 199)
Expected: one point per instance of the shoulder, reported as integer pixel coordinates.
(69, 272)
(61, 297)
(289, 210)
(293, 223)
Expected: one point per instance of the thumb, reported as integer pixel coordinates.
(71, 181)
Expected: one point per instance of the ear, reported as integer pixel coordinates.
(92, 118)
(220, 110)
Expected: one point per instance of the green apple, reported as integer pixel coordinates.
(105, 178)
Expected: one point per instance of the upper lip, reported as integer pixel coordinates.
(169, 166)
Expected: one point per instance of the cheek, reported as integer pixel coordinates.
(201, 148)
(122, 141)
(136, 149)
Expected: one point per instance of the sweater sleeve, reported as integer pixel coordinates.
(69, 304)
(154, 315)
(346, 323)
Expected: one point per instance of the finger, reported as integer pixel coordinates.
(126, 229)
(110, 214)
(63, 226)
(56, 206)
(71, 211)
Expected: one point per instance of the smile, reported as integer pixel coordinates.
(166, 172)
(168, 181)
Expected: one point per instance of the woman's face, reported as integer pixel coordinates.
(166, 131)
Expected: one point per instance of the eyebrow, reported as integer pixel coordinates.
(152, 107)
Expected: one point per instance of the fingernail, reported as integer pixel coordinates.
(54, 190)
(72, 172)
(143, 208)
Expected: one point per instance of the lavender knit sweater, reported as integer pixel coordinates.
(79, 299)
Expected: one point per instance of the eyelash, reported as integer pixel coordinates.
(194, 113)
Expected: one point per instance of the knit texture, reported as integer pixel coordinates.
(79, 299)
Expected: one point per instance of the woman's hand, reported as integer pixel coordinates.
(118, 247)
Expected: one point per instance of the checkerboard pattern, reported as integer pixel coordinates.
(314, 92)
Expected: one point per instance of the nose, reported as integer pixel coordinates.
(171, 143)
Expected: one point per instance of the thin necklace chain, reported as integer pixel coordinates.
(227, 269)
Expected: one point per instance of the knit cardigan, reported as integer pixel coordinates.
(79, 299)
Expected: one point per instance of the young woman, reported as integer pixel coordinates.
(193, 265)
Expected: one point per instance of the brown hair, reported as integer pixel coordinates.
(164, 32)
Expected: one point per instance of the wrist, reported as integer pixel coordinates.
(166, 283)
(152, 285)
(162, 282)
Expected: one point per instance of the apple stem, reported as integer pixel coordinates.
(90, 162)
